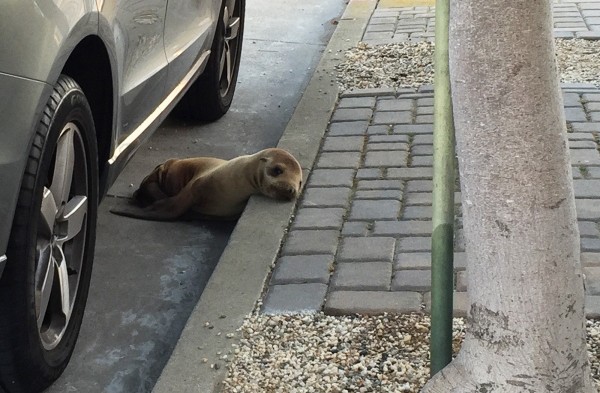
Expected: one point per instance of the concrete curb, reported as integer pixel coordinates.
(240, 275)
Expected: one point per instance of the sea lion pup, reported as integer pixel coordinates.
(213, 187)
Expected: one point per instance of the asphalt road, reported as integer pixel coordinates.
(148, 276)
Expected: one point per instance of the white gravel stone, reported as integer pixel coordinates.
(408, 64)
(319, 353)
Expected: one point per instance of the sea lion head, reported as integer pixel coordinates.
(281, 174)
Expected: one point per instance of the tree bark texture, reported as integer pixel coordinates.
(525, 287)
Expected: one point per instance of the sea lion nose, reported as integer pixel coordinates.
(291, 192)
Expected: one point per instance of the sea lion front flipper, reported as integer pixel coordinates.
(166, 209)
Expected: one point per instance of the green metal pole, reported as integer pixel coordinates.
(442, 244)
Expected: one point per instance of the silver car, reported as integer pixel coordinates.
(83, 83)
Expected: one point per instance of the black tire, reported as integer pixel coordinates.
(51, 247)
(210, 97)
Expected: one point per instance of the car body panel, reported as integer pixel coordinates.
(133, 33)
(58, 29)
(16, 113)
(188, 35)
(145, 85)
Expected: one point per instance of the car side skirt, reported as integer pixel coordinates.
(125, 151)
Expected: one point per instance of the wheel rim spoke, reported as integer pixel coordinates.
(63, 281)
(48, 214)
(63, 166)
(73, 218)
(45, 281)
(233, 29)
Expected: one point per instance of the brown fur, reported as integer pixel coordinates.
(214, 187)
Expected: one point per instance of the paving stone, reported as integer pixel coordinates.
(421, 161)
(580, 136)
(426, 88)
(352, 114)
(592, 106)
(422, 140)
(588, 35)
(591, 97)
(410, 173)
(419, 186)
(301, 269)
(395, 105)
(592, 306)
(369, 174)
(424, 119)
(372, 302)
(386, 158)
(395, 146)
(592, 172)
(424, 110)
(575, 114)
(587, 144)
(348, 128)
(460, 303)
(588, 229)
(414, 244)
(371, 276)
(382, 20)
(402, 228)
(587, 209)
(380, 27)
(412, 280)
(326, 197)
(356, 228)
(590, 259)
(422, 260)
(319, 218)
(378, 91)
(305, 242)
(331, 177)
(586, 127)
(584, 156)
(571, 100)
(343, 143)
(380, 129)
(590, 244)
(339, 160)
(417, 213)
(379, 185)
(586, 188)
(592, 280)
(357, 102)
(413, 129)
(378, 194)
(383, 139)
(563, 34)
(422, 150)
(392, 117)
(366, 209)
(294, 298)
(425, 101)
(361, 249)
(594, 116)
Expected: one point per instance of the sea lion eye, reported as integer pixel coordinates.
(276, 171)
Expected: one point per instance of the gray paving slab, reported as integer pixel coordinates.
(294, 298)
(302, 269)
(372, 302)
(371, 276)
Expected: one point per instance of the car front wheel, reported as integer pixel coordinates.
(44, 287)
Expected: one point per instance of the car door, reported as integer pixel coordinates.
(189, 29)
(138, 28)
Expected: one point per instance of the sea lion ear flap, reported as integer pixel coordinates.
(264, 159)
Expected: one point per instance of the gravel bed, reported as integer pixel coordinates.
(411, 64)
(320, 353)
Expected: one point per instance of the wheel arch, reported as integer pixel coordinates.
(89, 65)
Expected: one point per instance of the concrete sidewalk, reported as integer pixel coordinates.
(358, 239)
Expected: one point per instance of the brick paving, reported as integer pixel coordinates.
(360, 241)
